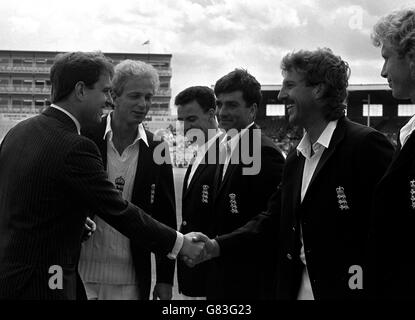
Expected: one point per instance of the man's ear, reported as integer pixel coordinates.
(80, 90)
(412, 69)
(212, 113)
(254, 110)
(319, 90)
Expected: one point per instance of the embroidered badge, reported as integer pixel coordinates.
(205, 193)
(119, 184)
(153, 192)
(412, 183)
(232, 203)
(341, 199)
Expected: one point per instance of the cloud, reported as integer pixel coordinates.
(207, 38)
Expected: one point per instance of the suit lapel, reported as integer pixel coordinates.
(144, 159)
(101, 142)
(337, 137)
(200, 168)
(405, 155)
(297, 177)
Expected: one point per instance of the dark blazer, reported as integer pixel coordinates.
(51, 178)
(153, 192)
(392, 234)
(239, 198)
(197, 200)
(334, 232)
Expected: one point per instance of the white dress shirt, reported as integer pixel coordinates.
(77, 124)
(106, 256)
(229, 144)
(406, 131)
(201, 151)
(310, 165)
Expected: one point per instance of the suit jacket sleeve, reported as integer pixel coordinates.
(262, 229)
(85, 176)
(165, 211)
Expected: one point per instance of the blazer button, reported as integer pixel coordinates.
(184, 223)
(294, 229)
(289, 257)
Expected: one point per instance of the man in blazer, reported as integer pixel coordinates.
(196, 109)
(52, 178)
(328, 183)
(249, 172)
(392, 232)
(320, 214)
(120, 269)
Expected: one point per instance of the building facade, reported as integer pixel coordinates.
(25, 85)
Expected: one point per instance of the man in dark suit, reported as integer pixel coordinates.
(249, 172)
(196, 108)
(322, 207)
(112, 267)
(328, 183)
(392, 232)
(52, 178)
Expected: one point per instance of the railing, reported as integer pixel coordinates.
(164, 71)
(163, 92)
(25, 69)
(24, 89)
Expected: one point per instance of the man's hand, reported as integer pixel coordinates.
(211, 249)
(191, 249)
(90, 227)
(162, 291)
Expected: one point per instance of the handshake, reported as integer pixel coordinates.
(198, 248)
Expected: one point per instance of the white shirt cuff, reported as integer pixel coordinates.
(177, 246)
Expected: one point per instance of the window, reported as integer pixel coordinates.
(275, 110)
(17, 82)
(40, 83)
(28, 62)
(406, 110)
(4, 102)
(17, 61)
(27, 83)
(4, 82)
(164, 85)
(39, 103)
(27, 103)
(376, 110)
(17, 102)
(4, 61)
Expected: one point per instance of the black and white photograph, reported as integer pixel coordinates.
(209, 154)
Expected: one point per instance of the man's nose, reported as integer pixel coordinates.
(282, 95)
(383, 73)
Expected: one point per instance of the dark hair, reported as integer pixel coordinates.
(203, 95)
(71, 67)
(322, 66)
(240, 80)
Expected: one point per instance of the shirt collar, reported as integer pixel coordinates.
(141, 132)
(304, 147)
(77, 124)
(201, 150)
(235, 139)
(406, 130)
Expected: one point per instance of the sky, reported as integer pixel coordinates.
(207, 38)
